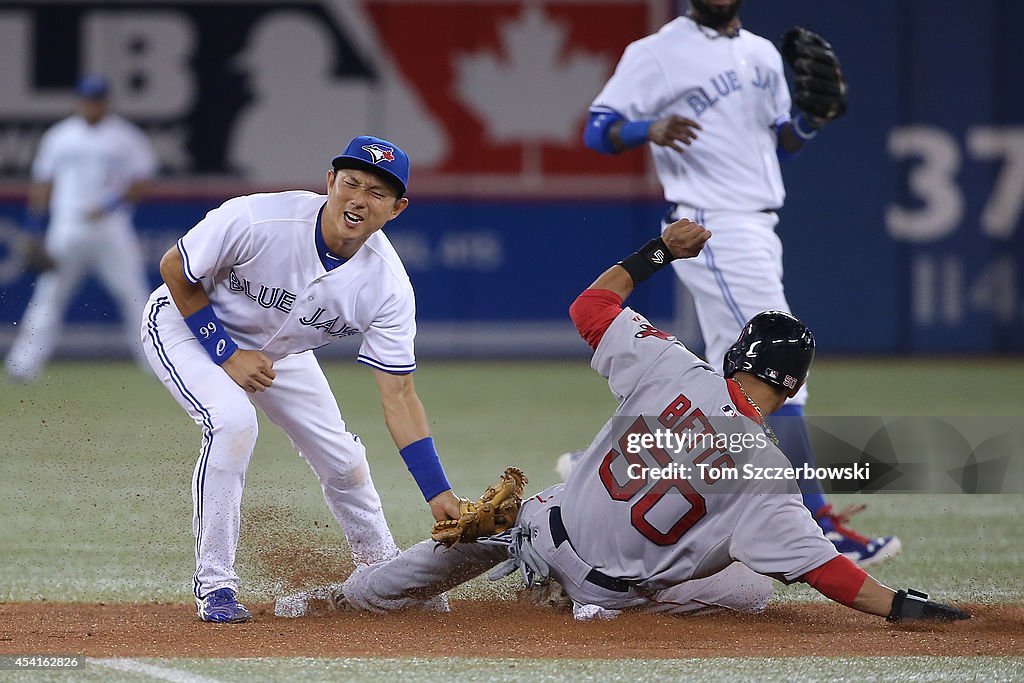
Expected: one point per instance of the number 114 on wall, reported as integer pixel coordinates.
(944, 292)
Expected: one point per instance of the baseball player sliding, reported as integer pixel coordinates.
(620, 533)
(91, 169)
(248, 294)
(711, 100)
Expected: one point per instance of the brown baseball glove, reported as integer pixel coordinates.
(493, 513)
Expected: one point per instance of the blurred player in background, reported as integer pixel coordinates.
(712, 100)
(90, 170)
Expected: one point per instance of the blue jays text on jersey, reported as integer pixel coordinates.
(724, 84)
(281, 299)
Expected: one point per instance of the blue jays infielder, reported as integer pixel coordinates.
(249, 293)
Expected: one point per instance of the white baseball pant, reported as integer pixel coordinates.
(424, 570)
(107, 247)
(300, 401)
(737, 275)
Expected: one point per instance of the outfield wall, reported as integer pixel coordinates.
(901, 229)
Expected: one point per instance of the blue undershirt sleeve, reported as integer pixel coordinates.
(599, 123)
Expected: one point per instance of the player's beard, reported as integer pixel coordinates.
(714, 16)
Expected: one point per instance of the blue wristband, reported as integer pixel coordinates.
(211, 335)
(803, 128)
(633, 133)
(424, 465)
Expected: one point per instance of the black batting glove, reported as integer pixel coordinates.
(912, 604)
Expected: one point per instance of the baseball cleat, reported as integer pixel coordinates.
(319, 601)
(315, 602)
(584, 612)
(862, 550)
(438, 603)
(220, 606)
(873, 551)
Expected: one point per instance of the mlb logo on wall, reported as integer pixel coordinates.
(510, 80)
(380, 153)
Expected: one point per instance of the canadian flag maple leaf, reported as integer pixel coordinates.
(532, 93)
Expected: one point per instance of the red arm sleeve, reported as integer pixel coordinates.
(592, 313)
(838, 579)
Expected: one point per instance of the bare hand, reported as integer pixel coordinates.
(251, 370)
(671, 130)
(684, 238)
(444, 505)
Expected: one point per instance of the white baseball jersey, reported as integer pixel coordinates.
(91, 165)
(257, 260)
(662, 532)
(734, 87)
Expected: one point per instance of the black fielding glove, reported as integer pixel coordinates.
(819, 87)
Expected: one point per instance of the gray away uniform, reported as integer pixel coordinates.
(616, 537)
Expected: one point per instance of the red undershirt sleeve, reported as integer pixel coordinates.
(838, 579)
(592, 313)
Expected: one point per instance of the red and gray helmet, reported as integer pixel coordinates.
(774, 346)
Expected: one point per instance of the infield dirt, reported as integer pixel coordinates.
(512, 630)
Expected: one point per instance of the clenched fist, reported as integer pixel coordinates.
(684, 238)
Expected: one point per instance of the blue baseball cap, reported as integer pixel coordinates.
(93, 87)
(376, 156)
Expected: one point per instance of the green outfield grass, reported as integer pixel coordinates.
(97, 458)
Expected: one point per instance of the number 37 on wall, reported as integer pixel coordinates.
(932, 181)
